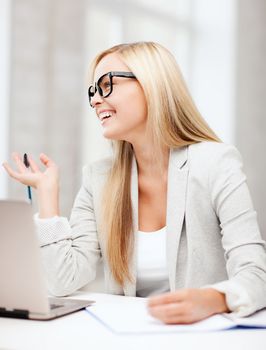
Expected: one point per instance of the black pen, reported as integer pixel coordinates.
(27, 165)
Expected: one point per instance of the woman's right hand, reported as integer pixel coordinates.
(45, 182)
(35, 178)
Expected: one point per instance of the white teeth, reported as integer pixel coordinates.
(104, 115)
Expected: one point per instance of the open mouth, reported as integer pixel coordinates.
(109, 116)
(105, 115)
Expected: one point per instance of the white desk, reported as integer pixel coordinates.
(80, 331)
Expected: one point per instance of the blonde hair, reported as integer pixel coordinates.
(172, 121)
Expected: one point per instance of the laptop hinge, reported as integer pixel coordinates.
(15, 313)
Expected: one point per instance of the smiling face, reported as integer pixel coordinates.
(125, 106)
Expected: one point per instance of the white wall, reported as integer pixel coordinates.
(212, 82)
(5, 8)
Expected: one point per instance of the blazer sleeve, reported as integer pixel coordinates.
(71, 250)
(244, 248)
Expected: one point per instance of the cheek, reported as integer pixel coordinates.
(134, 108)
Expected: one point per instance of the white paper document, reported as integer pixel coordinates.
(131, 316)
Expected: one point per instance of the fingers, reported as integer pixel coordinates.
(171, 313)
(21, 166)
(184, 306)
(10, 171)
(33, 176)
(22, 177)
(19, 163)
(34, 167)
(172, 308)
(167, 298)
(22, 169)
(46, 160)
(166, 310)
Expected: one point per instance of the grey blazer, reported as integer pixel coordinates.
(212, 232)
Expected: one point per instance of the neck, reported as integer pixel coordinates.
(147, 162)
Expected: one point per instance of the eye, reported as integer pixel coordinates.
(106, 84)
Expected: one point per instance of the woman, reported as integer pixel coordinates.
(169, 214)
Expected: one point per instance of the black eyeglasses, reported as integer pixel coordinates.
(104, 85)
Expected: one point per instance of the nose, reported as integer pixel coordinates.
(96, 99)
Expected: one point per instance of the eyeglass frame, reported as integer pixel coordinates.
(111, 75)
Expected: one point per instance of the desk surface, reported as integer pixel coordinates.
(81, 331)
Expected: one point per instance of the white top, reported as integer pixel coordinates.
(152, 273)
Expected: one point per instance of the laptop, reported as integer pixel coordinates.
(23, 291)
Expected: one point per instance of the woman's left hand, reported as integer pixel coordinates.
(187, 305)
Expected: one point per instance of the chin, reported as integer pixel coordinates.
(113, 136)
(109, 135)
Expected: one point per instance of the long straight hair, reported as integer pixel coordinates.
(172, 121)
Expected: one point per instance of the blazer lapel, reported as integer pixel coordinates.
(176, 202)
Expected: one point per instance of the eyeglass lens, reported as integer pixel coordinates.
(104, 85)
